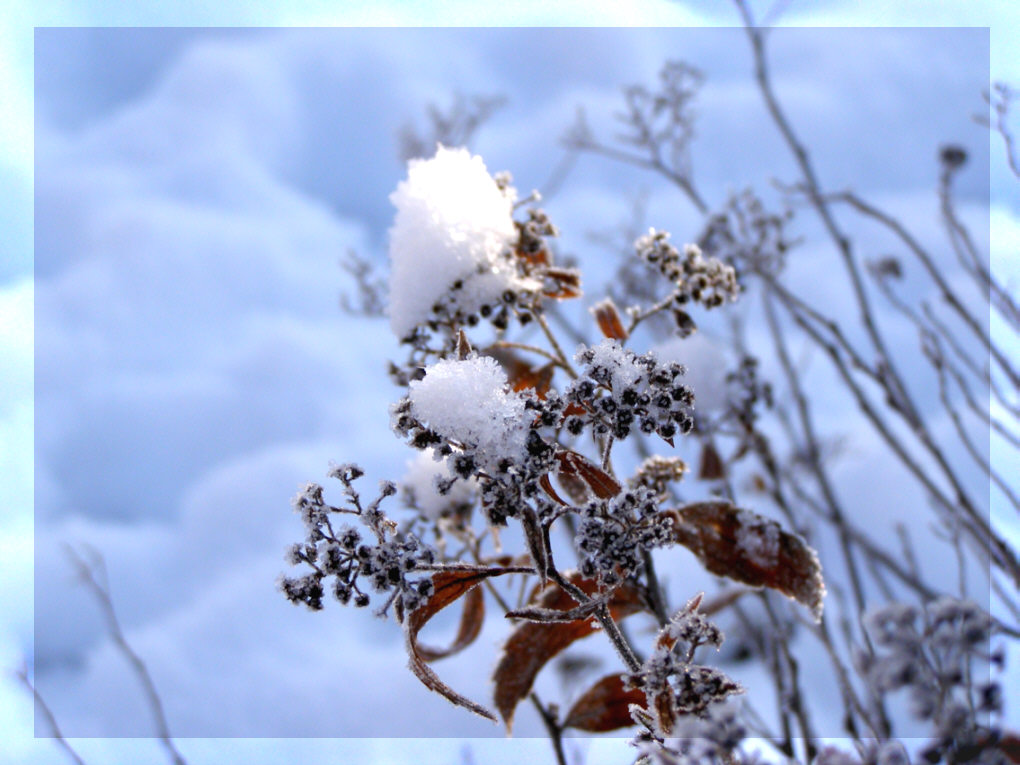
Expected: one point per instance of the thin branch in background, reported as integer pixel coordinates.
(93, 574)
(658, 123)
(552, 726)
(454, 126)
(1001, 99)
(369, 298)
(51, 721)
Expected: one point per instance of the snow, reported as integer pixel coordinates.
(419, 486)
(468, 401)
(758, 539)
(612, 357)
(453, 223)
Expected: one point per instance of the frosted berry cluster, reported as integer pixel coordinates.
(620, 390)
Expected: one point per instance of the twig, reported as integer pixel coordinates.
(552, 726)
(100, 589)
(51, 721)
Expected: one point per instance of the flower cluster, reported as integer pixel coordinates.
(613, 533)
(495, 439)
(343, 555)
(619, 390)
(713, 737)
(708, 281)
(930, 654)
(672, 683)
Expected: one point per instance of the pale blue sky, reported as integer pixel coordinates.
(87, 110)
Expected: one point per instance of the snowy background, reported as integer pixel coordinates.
(194, 192)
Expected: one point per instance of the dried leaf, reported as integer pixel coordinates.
(471, 619)
(520, 374)
(600, 482)
(547, 486)
(463, 346)
(664, 709)
(549, 615)
(448, 587)
(712, 467)
(605, 706)
(573, 409)
(562, 283)
(575, 488)
(535, 540)
(538, 378)
(532, 645)
(539, 257)
(749, 548)
(608, 318)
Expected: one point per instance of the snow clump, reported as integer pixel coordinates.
(468, 401)
(451, 241)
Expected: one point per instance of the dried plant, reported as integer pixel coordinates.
(537, 448)
(534, 448)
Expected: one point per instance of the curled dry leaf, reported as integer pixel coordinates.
(548, 615)
(561, 283)
(520, 374)
(572, 464)
(536, 542)
(532, 645)
(448, 587)
(712, 467)
(749, 548)
(605, 706)
(608, 318)
(547, 486)
(471, 618)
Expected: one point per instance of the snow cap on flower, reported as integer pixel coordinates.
(454, 226)
(468, 401)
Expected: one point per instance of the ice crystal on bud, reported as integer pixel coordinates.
(451, 241)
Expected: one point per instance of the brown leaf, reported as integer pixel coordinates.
(539, 257)
(539, 378)
(448, 587)
(664, 709)
(605, 706)
(749, 548)
(532, 645)
(471, 619)
(573, 409)
(547, 486)
(712, 467)
(520, 374)
(562, 283)
(575, 488)
(535, 540)
(463, 346)
(608, 318)
(600, 482)
(549, 615)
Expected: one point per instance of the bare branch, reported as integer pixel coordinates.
(93, 574)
